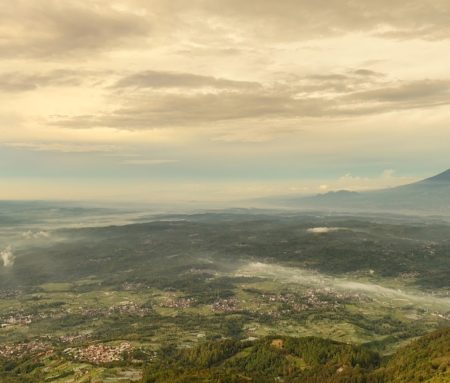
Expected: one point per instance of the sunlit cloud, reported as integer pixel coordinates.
(240, 99)
(62, 147)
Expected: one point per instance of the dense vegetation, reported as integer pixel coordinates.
(427, 359)
(305, 360)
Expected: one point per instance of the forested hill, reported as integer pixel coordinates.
(425, 360)
(303, 360)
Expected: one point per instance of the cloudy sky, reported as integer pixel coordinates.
(154, 100)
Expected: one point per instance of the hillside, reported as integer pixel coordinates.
(424, 360)
(306, 360)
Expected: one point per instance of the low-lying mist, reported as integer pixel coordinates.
(7, 256)
(309, 278)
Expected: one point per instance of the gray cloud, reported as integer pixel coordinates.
(21, 82)
(424, 93)
(367, 73)
(300, 19)
(51, 28)
(187, 110)
(347, 82)
(157, 79)
(147, 109)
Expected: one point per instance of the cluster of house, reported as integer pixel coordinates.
(178, 303)
(128, 308)
(445, 316)
(100, 353)
(203, 272)
(128, 286)
(310, 299)
(313, 299)
(21, 318)
(17, 319)
(73, 338)
(12, 351)
(225, 306)
(9, 293)
(409, 275)
(430, 248)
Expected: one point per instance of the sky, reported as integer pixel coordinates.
(220, 100)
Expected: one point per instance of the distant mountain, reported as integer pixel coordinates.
(431, 195)
(443, 177)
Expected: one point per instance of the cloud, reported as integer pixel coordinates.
(331, 96)
(148, 162)
(83, 29)
(386, 179)
(62, 147)
(155, 110)
(367, 73)
(15, 82)
(305, 19)
(335, 82)
(245, 90)
(7, 257)
(156, 79)
(51, 29)
(423, 93)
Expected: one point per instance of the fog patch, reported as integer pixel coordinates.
(323, 230)
(310, 278)
(7, 257)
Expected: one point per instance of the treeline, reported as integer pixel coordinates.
(302, 360)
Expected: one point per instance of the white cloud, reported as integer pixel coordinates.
(386, 179)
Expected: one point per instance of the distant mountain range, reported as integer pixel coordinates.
(431, 196)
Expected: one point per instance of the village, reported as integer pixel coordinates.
(17, 351)
(17, 319)
(100, 353)
(178, 303)
(9, 293)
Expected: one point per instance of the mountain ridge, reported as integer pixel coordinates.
(441, 177)
(430, 195)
